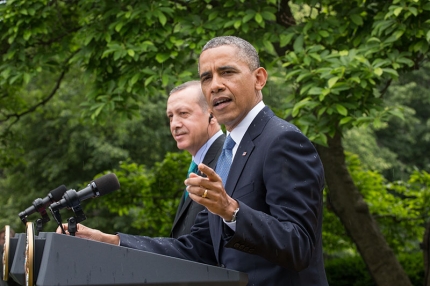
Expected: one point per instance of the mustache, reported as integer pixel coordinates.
(179, 131)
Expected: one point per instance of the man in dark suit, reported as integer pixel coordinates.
(265, 218)
(197, 131)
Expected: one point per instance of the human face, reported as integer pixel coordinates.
(230, 87)
(188, 123)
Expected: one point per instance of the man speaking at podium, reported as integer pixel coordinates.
(265, 218)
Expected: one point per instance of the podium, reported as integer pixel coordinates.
(16, 259)
(56, 259)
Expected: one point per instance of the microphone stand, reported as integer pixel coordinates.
(75, 205)
(73, 201)
(57, 216)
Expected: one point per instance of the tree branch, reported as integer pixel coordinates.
(17, 116)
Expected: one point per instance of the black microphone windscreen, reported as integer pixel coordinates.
(107, 184)
(58, 193)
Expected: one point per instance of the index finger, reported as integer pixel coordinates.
(209, 172)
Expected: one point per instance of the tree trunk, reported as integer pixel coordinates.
(349, 206)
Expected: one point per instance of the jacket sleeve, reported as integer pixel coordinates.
(196, 246)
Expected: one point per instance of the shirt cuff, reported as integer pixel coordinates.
(231, 225)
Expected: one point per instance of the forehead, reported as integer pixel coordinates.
(186, 98)
(226, 55)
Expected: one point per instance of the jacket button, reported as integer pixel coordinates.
(236, 245)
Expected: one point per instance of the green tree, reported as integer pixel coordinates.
(340, 57)
(55, 145)
(412, 135)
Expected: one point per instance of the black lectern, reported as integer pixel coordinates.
(68, 260)
(16, 259)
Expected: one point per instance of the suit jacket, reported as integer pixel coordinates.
(277, 178)
(188, 209)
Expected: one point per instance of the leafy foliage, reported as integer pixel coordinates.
(345, 55)
(130, 49)
(149, 197)
(400, 208)
(351, 271)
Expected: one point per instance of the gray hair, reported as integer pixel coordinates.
(201, 98)
(246, 51)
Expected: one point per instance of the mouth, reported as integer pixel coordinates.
(179, 134)
(220, 101)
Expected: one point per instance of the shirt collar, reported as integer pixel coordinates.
(238, 132)
(200, 155)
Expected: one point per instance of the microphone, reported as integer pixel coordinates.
(39, 205)
(99, 187)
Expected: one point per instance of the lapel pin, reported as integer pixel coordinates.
(244, 154)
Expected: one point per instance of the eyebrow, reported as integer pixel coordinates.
(222, 68)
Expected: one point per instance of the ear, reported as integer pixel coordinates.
(260, 78)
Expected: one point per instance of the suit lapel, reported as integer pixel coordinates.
(243, 152)
(246, 148)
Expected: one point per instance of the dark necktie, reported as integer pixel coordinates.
(192, 169)
(224, 160)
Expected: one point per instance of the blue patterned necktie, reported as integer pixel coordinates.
(192, 169)
(224, 160)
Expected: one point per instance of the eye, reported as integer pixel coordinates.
(205, 78)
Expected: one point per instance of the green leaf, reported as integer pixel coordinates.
(248, 16)
(149, 80)
(332, 81)
(269, 47)
(118, 26)
(378, 71)
(134, 79)
(356, 19)
(27, 35)
(413, 10)
(268, 16)
(323, 33)
(237, 24)
(258, 18)
(345, 120)
(303, 75)
(341, 109)
(315, 90)
(397, 11)
(286, 39)
(162, 57)
(392, 72)
(162, 18)
(299, 105)
(397, 113)
(130, 52)
(298, 44)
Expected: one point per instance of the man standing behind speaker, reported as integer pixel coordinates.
(197, 131)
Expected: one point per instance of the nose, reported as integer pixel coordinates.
(175, 122)
(217, 84)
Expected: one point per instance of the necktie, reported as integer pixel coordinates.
(192, 169)
(224, 160)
